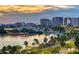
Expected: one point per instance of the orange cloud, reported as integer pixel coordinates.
(25, 9)
(30, 8)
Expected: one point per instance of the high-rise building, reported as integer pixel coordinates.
(56, 21)
(45, 22)
(78, 21)
(71, 22)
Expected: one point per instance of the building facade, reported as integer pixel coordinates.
(71, 22)
(45, 22)
(57, 21)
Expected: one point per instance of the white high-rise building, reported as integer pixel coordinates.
(71, 22)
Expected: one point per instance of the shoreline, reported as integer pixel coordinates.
(19, 40)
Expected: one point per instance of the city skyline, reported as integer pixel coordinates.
(26, 13)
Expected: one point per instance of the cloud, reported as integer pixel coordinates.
(30, 8)
(25, 9)
(65, 6)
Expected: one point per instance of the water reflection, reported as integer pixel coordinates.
(19, 39)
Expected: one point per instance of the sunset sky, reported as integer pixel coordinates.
(33, 13)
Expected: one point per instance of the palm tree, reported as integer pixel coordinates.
(26, 43)
(36, 41)
(33, 44)
(53, 40)
(45, 40)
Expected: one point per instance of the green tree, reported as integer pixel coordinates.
(13, 50)
(3, 50)
(24, 30)
(70, 44)
(24, 51)
(9, 47)
(62, 43)
(62, 39)
(45, 51)
(2, 31)
(35, 51)
(77, 42)
(46, 30)
(74, 52)
(59, 29)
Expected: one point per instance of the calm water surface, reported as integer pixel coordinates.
(19, 40)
